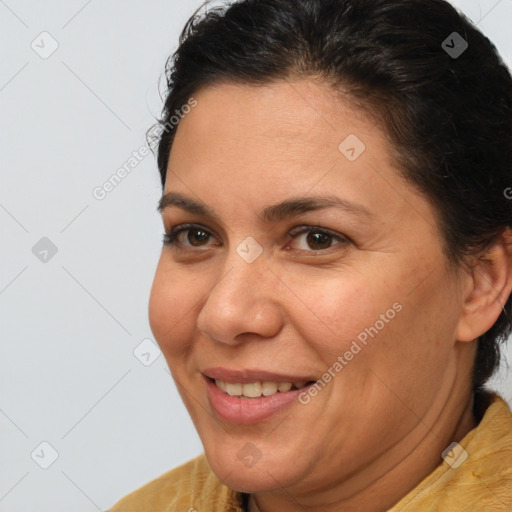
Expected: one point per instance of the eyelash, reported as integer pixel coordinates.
(170, 239)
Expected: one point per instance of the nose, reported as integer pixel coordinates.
(242, 302)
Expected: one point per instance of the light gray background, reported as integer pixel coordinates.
(69, 326)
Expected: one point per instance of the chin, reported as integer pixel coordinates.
(249, 480)
(242, 470)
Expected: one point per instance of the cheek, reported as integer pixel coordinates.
(408, 360)
(335, 311)
(377, 320)
(172, 308)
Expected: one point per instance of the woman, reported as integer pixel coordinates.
(335, 278)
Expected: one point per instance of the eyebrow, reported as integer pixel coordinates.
(273, 213)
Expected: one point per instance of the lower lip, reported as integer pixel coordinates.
(248, 410)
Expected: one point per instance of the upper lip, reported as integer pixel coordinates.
(253, 375)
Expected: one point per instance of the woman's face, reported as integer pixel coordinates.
(345, 283)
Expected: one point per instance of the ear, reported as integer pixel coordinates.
(487, 287)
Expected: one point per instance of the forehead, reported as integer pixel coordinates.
(284, 111)
(285, 129)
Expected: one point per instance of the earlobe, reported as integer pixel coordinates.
(488, 286)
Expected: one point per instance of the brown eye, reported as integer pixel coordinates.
(316, 239)
(196, 237)
(319, 240)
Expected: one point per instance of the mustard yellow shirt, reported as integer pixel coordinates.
(482, 483)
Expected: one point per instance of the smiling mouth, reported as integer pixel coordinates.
(257, 389)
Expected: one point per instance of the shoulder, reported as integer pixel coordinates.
(190, 487)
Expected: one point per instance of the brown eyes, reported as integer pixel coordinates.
(189, 236)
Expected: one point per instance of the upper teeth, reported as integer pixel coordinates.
(256, 389)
